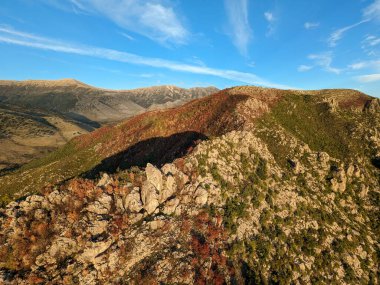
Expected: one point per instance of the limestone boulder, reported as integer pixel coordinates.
(154, 176)
(169, 189)
(149, 197)
(201, 196)
(170, 206)
(104, 181)
(101, 206)
(132, 201)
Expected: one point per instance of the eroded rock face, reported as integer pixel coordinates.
(154, 176)
(201, 196)
(339, 182)
(60, 249)
(169, 189)
(171, 206)
(373, 106)
(149, 197)
(101, 206)
(104, 181)
(197, 220)
(132, 201)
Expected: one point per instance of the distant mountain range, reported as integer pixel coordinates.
(37, 116)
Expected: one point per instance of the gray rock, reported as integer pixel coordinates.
(119, 204)
(104, 181)
(101, 206)
(59, 249)
(169, 169)
(170, 206)
(149, 197)
(98, 227)
(90, 253)
(132, 201)
(157, 224)
(56, 197)
(169, 189)
(201, 196)
(154, 176)
(40, 214)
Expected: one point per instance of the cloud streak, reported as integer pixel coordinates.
(155, 20)
(324, 60)
(271, 19)
(370, 64)
(311, 25)
(337, 35)
(372, 11)
(304, 68)
(239, 29)
(368, 78)
(14, 37)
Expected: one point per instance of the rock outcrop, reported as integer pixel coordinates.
(289, 195)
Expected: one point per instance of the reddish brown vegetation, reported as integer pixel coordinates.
(207, 243)
(354, 102)
(213, 115)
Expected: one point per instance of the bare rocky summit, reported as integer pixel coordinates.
(247, 186)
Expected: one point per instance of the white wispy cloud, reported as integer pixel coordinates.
(338, 34)
(324, 60)
(269, 16)
(127, 36)
(372, 11)
(271, 19)
(239, 28)
(369, 64)
(154, 19)
(368, 78)
(369, 45)
(11, 36)
(311, 25)
(371, 41)
(304, 68)
(196, 60)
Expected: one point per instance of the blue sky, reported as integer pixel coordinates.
(124, 44)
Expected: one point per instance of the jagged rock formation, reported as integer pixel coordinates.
(276, 194)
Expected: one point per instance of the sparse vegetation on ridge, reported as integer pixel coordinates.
(273, 197)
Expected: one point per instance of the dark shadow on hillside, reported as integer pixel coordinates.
(157, 151)
(10, 167)
(83, 121)
(376, 162)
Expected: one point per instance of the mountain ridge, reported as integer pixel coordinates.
(42, 94)
(245, 186)
(78, 104)
(210, 116)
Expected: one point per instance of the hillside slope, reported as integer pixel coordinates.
(26, 134)
(78, 100)
(75, 107)
(246, 186)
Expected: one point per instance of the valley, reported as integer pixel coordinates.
(38, 116)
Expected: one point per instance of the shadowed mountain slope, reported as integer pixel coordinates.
(246, 186)
(209, 116)
(75, 107)
(324, 119)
